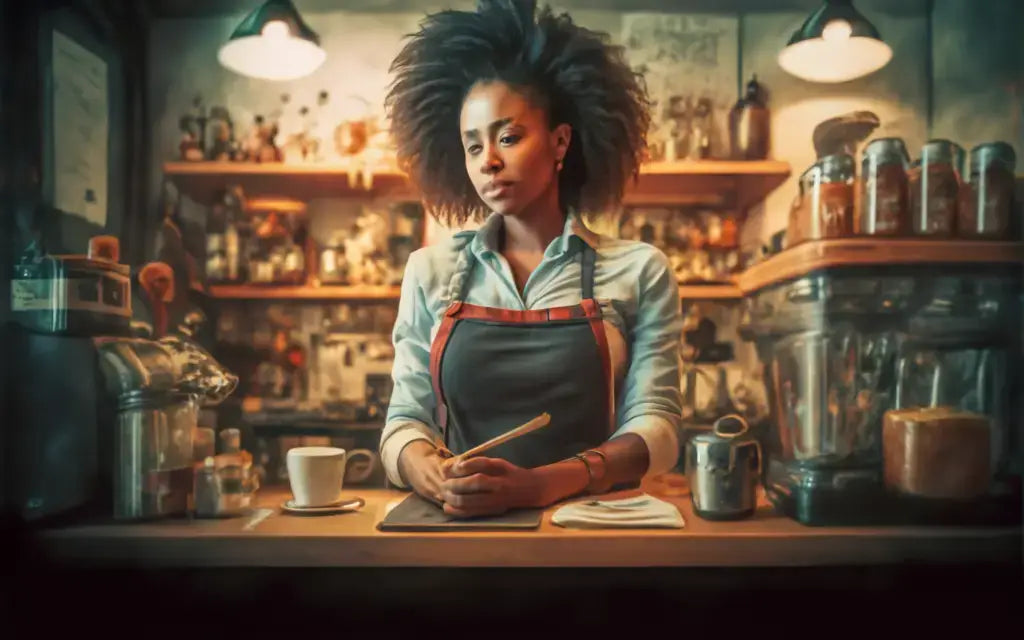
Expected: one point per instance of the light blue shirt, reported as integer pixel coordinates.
(634, 285)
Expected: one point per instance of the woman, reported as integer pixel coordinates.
(526, 118)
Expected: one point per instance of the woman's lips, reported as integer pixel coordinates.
(498, 190)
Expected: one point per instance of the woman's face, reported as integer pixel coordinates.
(511, 152)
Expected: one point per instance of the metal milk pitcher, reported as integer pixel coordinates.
(723, 468)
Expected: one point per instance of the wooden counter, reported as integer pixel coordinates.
(352, 540)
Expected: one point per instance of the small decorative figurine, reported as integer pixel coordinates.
(291, 130)
(263, 144)
(366, 250)
(222, 144)
(189, 148)
(193, 127)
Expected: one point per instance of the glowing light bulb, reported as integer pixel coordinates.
(836, 31)
(275, 29)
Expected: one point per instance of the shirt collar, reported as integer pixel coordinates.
(486, 238)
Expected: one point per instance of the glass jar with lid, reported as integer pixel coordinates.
(797, 212)
(986, 200)
(934, 188)
(824, 205)
(153, 448)
(885, 193)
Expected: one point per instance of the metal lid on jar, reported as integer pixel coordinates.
(886, 151)
(989, 154)
(836, 167)
(718, 449)
(807, 177)
(941, 151)
(145, 399)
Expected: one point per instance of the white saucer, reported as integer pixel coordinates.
(345, 506)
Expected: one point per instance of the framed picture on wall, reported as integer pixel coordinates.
(82, 106)
(81, 128)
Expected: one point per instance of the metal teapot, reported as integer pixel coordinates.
(723, 469)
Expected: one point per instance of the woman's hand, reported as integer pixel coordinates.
(421, 466)
(489, 486)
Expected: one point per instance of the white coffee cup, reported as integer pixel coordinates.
(316, 475)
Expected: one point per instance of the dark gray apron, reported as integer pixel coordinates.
(494, 369)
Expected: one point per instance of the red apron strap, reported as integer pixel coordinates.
(516, 316)
(436, 353)
(593, 312)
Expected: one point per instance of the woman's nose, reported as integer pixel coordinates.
(491, 162)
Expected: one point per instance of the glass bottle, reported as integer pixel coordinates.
(749, 125)
(700, 131)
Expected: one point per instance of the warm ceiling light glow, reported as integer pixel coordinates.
(273, 43)
(275, 29)
(820, 60)
(834, 31)
(835, 44)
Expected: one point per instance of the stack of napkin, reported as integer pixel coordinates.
(639, 512)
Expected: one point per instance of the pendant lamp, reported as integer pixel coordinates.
(273, 43)
(835, 44)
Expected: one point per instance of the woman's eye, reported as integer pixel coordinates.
(473, 149)
(509, 139)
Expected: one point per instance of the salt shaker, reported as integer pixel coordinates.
(206, 496)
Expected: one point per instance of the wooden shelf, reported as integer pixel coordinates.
(205, 181)
(714, 182)
(820, 254)
(283, 425)
(735, 183)
(710, 292)
(302, 292)
(791, 263)
(269, 292)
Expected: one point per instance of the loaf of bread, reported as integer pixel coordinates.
(937, 452)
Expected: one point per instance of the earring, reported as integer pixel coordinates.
(559, 165)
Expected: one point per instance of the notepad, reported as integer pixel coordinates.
(416, 514)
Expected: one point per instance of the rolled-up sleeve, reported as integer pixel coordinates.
(410, 414)
(651, 403)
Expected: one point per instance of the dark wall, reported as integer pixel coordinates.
(978, 60)
(116, 31)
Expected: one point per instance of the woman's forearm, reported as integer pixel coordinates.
(626, 460)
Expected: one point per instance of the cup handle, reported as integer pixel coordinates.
(370, 468)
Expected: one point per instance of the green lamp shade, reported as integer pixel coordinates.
(273, 43)
(835, 44)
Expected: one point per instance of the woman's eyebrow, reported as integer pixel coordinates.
(497, 124)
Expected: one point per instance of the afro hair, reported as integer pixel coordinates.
(574, 73)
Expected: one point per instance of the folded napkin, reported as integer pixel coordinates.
(639, 512)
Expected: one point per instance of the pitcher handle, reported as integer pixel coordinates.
(364, 453)
(717, 430)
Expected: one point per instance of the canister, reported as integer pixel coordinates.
(935, 187)
(987, 199)
(723, 468)
(824, 206)
(885, 197)
(153, 454)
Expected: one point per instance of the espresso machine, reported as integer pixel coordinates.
(56, 453)
(102, 411)
(841, 346)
